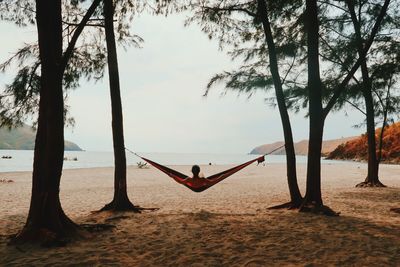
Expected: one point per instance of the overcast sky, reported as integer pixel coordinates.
(162, 86)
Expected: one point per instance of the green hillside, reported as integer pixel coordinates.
(23, 138)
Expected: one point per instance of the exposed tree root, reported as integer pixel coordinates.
(46, 237)
(126, 206)
(397, 210)
(47, 223)
(370, 184)
(289, 205)
(317, 209)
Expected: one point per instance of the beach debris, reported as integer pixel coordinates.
(142, 165)
(5, 181)
(71, 159)
(6, 157)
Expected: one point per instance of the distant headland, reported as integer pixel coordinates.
(23, 138)
(301, 148)
(349, 148)
(356, 149)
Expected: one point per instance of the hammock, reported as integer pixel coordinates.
(200, 184)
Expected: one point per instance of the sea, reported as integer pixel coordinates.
(22, 160)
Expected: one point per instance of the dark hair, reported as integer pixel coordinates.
(195, 170)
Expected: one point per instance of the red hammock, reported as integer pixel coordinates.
(201, 184)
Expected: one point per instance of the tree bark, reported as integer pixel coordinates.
(313, 190)
(372, 179)
(295, 195)
(120, 200)
(46, 221)
(313, 197)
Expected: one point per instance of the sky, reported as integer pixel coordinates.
(162, 87)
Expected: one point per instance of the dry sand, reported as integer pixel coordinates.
(227, 225)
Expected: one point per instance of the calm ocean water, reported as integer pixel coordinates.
(22, 159)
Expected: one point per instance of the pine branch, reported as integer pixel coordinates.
(342, 86)
(234, 8)
(70, 49)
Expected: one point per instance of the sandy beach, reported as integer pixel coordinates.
(227, 225)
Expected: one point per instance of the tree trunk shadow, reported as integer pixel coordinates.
(288, 205)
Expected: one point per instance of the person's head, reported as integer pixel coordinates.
(196, 170)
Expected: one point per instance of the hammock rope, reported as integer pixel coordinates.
(201, 184)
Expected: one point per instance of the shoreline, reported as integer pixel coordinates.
(69, 165)
(365, 161)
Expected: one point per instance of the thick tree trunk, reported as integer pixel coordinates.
(120, 201)
(46, 221)
(372, 178)
(313, 198)
(295, 195)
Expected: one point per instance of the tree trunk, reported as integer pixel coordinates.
(372, 178)
(295, 195)
(384, 124)
(120, 200)
(46, 221)
(313, 198)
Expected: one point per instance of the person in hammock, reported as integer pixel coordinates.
(196, 173)
(197, 180)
